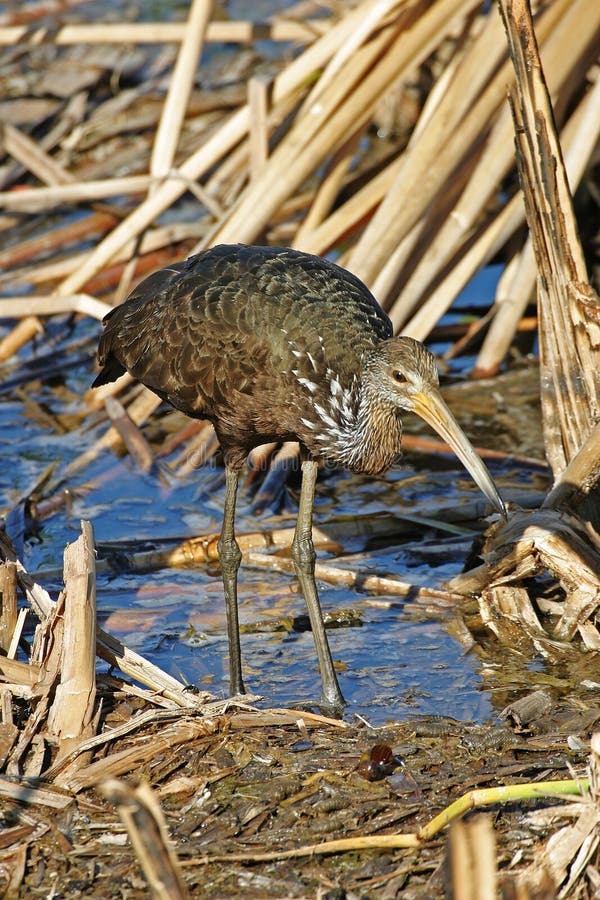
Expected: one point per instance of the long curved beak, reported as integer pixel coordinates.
(433, 409)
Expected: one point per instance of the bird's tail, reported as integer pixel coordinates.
(112, 369)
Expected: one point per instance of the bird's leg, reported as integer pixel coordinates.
(303, 555)
(230, 557)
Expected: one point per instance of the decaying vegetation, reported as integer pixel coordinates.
(290, 158)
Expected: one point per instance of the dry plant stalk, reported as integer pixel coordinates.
(180, 85)
(203, 549)
(51, 797)
(579, 139)
(141, 813)
(169, 692)
(28, 307)
(548, 540)
(165, 32)
(364, 580)
(44, 667)
(138, 753)
(43, 199)
(568, 308)
(8, 604)
(258, 102)
(31, 155)
(73, 706)
(492, 165)
(137, 445)
(139, 409)
(472, 852)
(438, 153)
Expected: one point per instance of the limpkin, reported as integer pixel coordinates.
(271, 344)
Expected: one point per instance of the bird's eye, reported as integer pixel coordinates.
(400, 377)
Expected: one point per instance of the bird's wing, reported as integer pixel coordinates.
(186, 349)
(233, 320)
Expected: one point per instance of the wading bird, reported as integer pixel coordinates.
(271, 344)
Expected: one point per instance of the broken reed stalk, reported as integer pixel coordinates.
(137, 446)
(237, 32)
(71, 713)
(153, 241)
(24, 791)
(43, 199)
(568, 309)
(484, 246)
(343, 74)
(182, 731)
(315, 132)
(329, 188)
(447, 109)
(71, 116)
(365, 580)
(579, 139)
(258, 103)
(142, 816)
(8, 604)
(442, 113)
(579, 476)
(168, 691)
(551, 541)
(170, 124)
(32, 156)
(20, 335)
(345, 218)
(180, 86)
(472, 859)
(138, 411)
(31, 307)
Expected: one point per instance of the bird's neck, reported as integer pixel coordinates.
(371, 442)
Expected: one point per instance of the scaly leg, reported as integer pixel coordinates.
(230, 557)
(303, 555)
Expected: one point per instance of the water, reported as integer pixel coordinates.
(396, 664)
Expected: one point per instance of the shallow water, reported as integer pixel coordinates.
(396, 664)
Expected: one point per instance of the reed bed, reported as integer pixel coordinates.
(382, 135)
(455, 145)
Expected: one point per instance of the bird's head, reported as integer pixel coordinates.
(402, 372)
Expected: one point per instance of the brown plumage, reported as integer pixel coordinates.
(271, 344)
